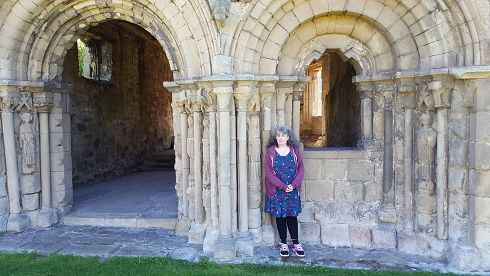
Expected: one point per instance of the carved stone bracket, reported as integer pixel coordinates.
(298, 90)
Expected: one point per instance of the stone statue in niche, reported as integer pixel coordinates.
(254, 148)
(190, 153)
(27, 144)
(426, 201)
(426, 143)
(206, 170)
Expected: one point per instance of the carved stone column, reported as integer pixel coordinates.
(225, 246)
(298, 90)
(365, 90)
(284, 89)
(43, 102)
(442, 87)
(242, 93)
(267, 89)
(385, 88)
(198, 102)
(406, 89)
(9, 96)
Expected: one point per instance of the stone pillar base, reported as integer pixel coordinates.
(197, 233)
(465, 258)
(257, 236)
(268, 235)
(245, 244)
(183, 225)
(18, 222)
(209, 241)
(63, 211)
(3, 222)
(47, 217)
(225, 249)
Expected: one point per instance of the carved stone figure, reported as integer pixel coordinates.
(426, 100)
(426, 143)
(254, 161)
(206, 181)
(220, 11)
(27, 144)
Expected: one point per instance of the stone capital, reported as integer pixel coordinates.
(207, 92)
(442, 88)
(298, 90)
(243, 91)
(405, 86)
(42, 96)
(365, 89)
(223, 89)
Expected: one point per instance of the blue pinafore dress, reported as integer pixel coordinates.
(284, 204)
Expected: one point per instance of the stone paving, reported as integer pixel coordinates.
(107, 242)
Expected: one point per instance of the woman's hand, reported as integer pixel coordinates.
(290, 188)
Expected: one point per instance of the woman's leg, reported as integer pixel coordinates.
(293, 228)
(282, 228)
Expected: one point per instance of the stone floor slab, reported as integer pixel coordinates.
(86, 250)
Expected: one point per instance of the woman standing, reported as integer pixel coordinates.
(283, 175)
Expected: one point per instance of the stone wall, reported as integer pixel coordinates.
(114, 125)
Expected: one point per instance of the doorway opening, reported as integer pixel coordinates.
(121, 121)
(330, 107)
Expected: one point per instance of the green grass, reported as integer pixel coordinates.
(33, 264)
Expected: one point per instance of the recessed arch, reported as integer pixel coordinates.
(55, 28)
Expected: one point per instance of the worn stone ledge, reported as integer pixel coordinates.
(333, 153)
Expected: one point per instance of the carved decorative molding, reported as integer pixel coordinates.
(9, 103)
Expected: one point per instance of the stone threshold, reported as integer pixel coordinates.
(135, 220)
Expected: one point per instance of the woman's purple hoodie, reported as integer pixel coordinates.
(272, 181)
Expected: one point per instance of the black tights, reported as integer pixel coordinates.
(290, 223)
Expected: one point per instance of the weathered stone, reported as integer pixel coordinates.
(480, 129)
(32, 217)
(245, 244)
(183, 225)
(426, 223)
(3, 222)
(3, 186)
(459, 125)
(465, 258)
(386, 216)
(426, 204)
(374, 192)
(4, 204)
(310, 233)
(485, 255)
(334, 212)
(366, 213)
(62, 198)
(479, 153)
(335, 234)
(432, 246)
(312, 169)
(47, 217)
(352, 192)
(360, 171)
(30, 183)
(307, 212)
(426, 187)
(318, 190)
(225, 249)
(479, 210)
(257, 236)
(334, 169)
(458, 153)
(254, 218)
(196, 233)
(18, 222)
(458, 216)
(30, 202)
(407, 242)
(359, 235)
(479, 183)
(384, 236)
(268, 235)
(456, 180)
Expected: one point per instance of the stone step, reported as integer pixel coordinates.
(159, 161)
(135, 220)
